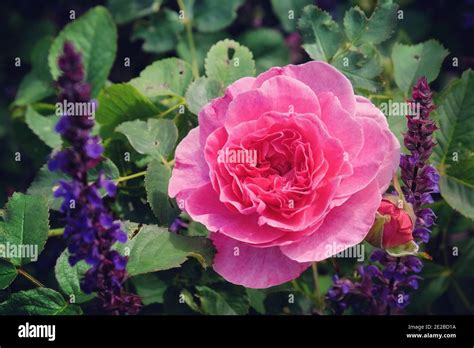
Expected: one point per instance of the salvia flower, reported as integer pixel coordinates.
(420, 179)
(91, 229)
(382, 287)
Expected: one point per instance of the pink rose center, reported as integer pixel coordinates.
(278, 168)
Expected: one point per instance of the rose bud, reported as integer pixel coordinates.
(393, 227)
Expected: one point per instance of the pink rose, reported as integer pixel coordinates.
(285, 169)
(398, 227)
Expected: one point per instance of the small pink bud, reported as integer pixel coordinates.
(393, 227)
(398, 229)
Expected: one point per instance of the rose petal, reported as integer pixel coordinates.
(217, 217)
(370, 159)
(365, 108)
(212, 114)
(252, 267)
(320, 77)
(341, 125)
(345, 226)
(280, 94)
(190, 170)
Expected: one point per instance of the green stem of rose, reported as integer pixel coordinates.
(181, 102)
(341, 51)
(30, 277)
(189, 33)
(130, 177)
(317, 289)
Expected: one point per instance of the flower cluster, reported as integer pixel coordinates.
(378, 291)
(90, 227)
(383, 290)
(420, 179)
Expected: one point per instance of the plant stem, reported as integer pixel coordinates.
(379, 96)
(55, 232)
(317, 291)
(167, 111)
(340, 52)
(189, 32)
(129, 177)
(30, 277)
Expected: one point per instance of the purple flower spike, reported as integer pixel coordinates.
(90, 230)
(419, 178)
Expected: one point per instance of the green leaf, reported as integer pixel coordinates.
(288, 12)
(150, 288)
(321, 34)
(94, 35)
(156, 137)
(412, 62)
(376, 29)
(463, 267)
(454, 153)
(397, 122)
(108, 167)
(188, 298)
(196, 229)
(166, 77)
(43, 127)
(361, 67)
(355, 24)
(119, 103)
(220, 303)
(211, 15)
(38, 84)
(39, 301)
(7, 273)
(155, 249)
(228, 61)
(257, 299)
(268, 47)
(43, 185)
(382, 23)
(69, 278)
(25, 225)
(202, 42)
(201, 92)
(156, 184)
(159, 34)
(436, 281)
(124, 11)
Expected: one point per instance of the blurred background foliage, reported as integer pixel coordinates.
(150, 30)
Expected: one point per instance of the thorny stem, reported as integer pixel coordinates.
(30, 278)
